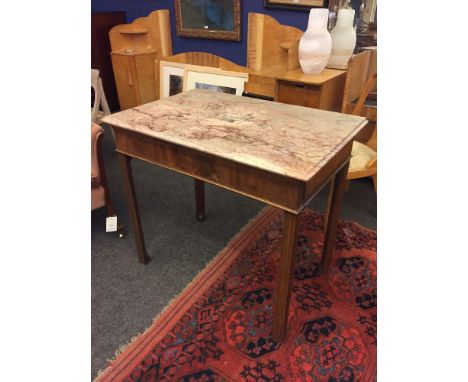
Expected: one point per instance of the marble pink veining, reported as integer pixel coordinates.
(289, 140)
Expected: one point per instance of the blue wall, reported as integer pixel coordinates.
(235, 51)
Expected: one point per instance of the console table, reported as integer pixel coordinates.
(279, 154)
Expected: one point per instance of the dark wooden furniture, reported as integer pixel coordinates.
(276, 153)
(101, 23)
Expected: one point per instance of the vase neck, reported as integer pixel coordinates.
(318, 19)
(345, 17)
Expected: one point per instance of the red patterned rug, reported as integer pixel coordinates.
(219, 328)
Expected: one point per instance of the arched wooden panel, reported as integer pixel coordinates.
(206, 59)
(271, 44)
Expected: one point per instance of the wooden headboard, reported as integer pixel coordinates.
(205, 59)
(271, 44)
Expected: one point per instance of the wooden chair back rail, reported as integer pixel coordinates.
(358, 67)
(368, 87)
(370, 112)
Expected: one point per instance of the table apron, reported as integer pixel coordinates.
(280, 191)
(273, 189)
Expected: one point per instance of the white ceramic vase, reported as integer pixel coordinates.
(343, 39)
(315, 45)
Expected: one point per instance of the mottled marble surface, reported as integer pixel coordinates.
(289, 140)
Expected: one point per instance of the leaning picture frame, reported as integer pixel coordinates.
(211, 19)
(214, 79)
(297, 5)
(171, 78)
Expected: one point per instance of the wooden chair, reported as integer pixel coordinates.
(356, 77)
(100, 106)
(361, 80)
(363, 161)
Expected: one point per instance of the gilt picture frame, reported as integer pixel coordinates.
(296, 5)
(211, 19)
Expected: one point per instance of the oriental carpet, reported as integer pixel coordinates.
(219, 327)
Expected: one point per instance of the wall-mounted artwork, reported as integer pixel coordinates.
(214, 19)
(171, 78)
(298, 5)
(215, 80)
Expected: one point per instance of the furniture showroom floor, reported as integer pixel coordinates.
(127, 295)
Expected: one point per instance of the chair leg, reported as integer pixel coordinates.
(102, 174)
(374, 179)
(111, 212)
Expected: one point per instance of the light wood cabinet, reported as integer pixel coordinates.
(134, 77)
(136, 48)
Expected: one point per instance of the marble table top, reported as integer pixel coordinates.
(289, 140)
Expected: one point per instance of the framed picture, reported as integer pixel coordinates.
(171, 78)
(215, 80)
(214, 19)
(298, 5)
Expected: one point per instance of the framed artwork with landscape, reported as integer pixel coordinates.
(213, 19)
(298, 5)
(215, 80)
(175, 78)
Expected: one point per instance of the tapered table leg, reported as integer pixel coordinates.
(286, 265)
(126, 170)
(199, 199)
(333, 212)
(327, 210)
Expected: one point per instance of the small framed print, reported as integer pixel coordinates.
(215, 80)
(171, 78)
(298, 5)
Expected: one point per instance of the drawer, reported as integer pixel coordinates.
(261, 85)
(296, 93)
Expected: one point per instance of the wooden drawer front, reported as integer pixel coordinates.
(298, 94)
(261, 85)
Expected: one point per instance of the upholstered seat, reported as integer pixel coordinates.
(98, 199)
(100, 196)
(361, 157)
